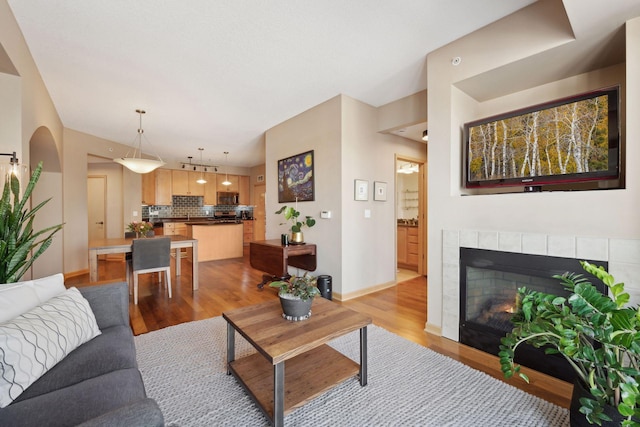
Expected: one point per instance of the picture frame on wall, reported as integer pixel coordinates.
(380, 191)
(361, 190)
(296, 179)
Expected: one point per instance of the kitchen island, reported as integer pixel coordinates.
(216, 240)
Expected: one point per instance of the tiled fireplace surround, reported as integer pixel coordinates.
(623, 256)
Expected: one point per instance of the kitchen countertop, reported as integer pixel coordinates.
(211, 222)
(185, 219)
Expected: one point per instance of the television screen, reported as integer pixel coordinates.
(568, 140)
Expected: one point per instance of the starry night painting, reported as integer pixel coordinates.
(295, 178)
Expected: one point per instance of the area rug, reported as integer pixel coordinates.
(183, 368)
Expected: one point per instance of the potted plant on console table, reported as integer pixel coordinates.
(292, 215)
(296, 296)
(598, 334)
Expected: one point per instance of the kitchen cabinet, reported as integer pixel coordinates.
(247, 232)
(163, 187)
(210, 189)
(407, 247)
(175, 229)
(234, 179)
(149, 188)
(156, 187)
(184, 183)
(217, 241)
(244, 190)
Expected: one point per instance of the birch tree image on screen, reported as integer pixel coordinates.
(565, 139)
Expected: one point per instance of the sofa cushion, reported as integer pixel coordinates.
(20, 297)
(35, 341)
(112, 350)
(70, 406)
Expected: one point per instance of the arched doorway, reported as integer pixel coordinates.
(42, 147)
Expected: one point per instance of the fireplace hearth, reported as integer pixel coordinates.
(489, 281)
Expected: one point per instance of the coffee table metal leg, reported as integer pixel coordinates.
(278, 395)
(363, 356)
(231, 346)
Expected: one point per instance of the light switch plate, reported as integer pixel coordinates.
(367, 213)
(325, 214)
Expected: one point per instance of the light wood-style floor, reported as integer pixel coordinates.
(229, 284)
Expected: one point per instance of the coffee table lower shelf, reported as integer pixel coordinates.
(306, 376)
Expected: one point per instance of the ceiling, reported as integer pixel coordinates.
(218, 74)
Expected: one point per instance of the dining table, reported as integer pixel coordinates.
(122, 245)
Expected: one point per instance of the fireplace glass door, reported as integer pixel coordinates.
(489, 281)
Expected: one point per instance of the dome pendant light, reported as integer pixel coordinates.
(201, 180)
(136, 163)
(226, 179)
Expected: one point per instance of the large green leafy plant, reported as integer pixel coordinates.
(20, 245)
(598, 334)
(293, 216)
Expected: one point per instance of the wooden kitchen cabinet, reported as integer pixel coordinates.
(184, 183)
(210, 189)
(247, 232)
(149, 188)
(234, 179)
(156, 187)
(175, 229)
(163, 187)
(407, 247)
(244, 190)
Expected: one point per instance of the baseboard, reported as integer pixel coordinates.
(433, 329)
(361, 292)
(75, 273)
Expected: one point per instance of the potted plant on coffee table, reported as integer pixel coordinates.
(297, 223)
(598, 334)
(296, 296)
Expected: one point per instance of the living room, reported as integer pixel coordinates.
(591, 224)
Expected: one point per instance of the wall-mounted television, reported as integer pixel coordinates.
(568, 140)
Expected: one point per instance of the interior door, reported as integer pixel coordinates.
(96, 209)
(259, 214)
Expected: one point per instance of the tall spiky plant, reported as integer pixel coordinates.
(20, 245)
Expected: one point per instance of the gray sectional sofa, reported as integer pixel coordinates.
(98, 383)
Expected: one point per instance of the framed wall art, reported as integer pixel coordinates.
(296, 178)
(361, 190)
(380, 191)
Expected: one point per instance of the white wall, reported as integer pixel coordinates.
(358, 252)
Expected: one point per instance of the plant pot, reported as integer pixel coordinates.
(577, 419)
(297, 237)
(294, 308)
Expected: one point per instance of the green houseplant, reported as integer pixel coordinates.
(297, 223)
(20, 244)
(296, 295)
(598, 334)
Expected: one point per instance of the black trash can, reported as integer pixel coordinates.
(324, 285)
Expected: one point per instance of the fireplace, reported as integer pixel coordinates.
(489, 281)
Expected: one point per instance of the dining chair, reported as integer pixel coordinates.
(150, 256)
(127, 256)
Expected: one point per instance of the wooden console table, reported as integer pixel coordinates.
(273, 258)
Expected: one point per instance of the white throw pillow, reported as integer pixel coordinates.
(37, 340)
(20, 297)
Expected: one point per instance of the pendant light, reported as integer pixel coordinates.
(201, 180)
(136, 163)
(226, 161)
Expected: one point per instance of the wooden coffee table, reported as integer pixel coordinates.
(312, 367)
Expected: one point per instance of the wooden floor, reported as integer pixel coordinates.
(229, 284)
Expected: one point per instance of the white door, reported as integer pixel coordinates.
(96, 188)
